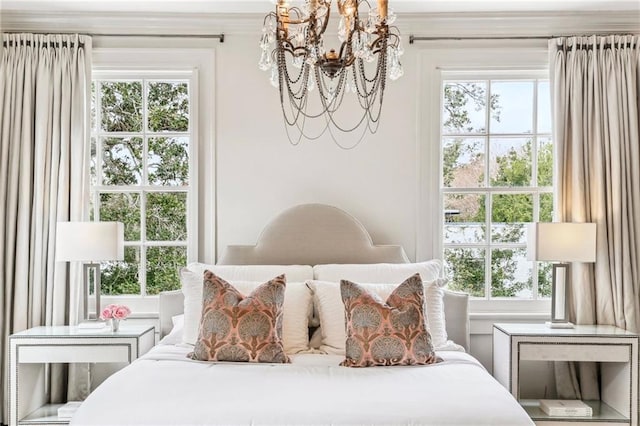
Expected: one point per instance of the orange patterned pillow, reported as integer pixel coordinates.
(391, 333)
(238, 328)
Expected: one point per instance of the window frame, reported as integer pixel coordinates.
(197, 66)
(511, 58)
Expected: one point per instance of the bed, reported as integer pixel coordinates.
(164, 387)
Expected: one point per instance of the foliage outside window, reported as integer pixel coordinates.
(497, 165)
(140, 175)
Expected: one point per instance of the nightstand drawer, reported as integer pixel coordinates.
(75, 353)
(574, 352)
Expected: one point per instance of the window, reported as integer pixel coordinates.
(142, 174)
(496, 175)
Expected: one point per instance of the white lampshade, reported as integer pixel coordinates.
(562, 242)
(89, 241)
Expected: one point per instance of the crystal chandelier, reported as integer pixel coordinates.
(293, 49)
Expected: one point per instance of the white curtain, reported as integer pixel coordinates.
(44, 97)
(595, 89)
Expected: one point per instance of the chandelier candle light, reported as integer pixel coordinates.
(293, 49)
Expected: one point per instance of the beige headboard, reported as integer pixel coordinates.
(313, 234)
(316, 234)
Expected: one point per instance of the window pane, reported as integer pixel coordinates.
(168, 161)
(168, 107)
(163, 264)
(121, 105)
(121, 277)
(93, 163)
(463, 162)
(546, 208)
(93, 106)
(544, 107)
(125, 208)
(510, 274)
(545, 162)
(464, 107)
(510, 162)
(545, 271)
(466, 270)
(121, 161)
(464, 218)
(166, 216)
(509, 213)
(515, 100)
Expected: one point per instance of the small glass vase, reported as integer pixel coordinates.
(115, 324)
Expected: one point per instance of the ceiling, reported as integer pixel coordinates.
(263, 6)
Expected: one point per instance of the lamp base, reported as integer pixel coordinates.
(551, 324)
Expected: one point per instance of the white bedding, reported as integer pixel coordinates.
(165, 388)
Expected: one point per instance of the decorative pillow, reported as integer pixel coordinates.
(238, 328)
(298, 300)
(330, 308)
(391, 333)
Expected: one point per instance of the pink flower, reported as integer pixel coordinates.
(115, 311)
(121, 312)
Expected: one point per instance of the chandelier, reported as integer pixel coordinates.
(368, 49)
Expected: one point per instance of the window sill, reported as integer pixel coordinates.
(482, 322)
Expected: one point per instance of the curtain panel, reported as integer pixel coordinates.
(45, 83)
(595, 93)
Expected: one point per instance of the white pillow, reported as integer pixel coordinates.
(380, 272)
(175, 336)
(328, 302)
(298, 299)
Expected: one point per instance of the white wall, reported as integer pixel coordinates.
(259, 173)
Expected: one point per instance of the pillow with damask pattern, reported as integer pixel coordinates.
(386, 333)
(239, 328)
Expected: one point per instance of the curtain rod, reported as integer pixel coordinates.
(206, 36)
(413, 38)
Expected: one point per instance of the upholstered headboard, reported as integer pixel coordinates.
(315, 234)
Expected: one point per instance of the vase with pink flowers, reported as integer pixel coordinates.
(114, 314)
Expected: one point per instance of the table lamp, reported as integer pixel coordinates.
(561, 242)
(90, 243)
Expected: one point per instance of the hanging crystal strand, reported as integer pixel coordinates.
(264, 40)
(395, 67)
(275, 77)
(391, 16)
(311, 84)
(347, 85)
(360, 44)
(342, 29)
(297, 61)
(265, 60)
(312, 57)
(400, 47)
(372, 20)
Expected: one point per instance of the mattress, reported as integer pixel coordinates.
(165, 388)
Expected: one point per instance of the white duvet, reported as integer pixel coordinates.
(165, 388)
